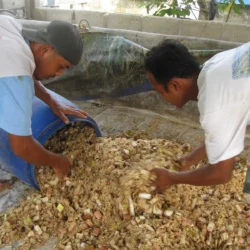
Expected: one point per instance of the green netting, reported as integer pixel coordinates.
(110, 66)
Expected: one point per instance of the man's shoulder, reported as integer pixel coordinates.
(9, 19)
(216, 72)
(8, 22)
(6, 17)
(16, 56)
(229, 59)
(241, 62)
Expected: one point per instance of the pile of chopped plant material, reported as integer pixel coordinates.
(107, 203)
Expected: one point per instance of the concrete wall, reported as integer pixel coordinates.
(243, 18)
(10, 4)
(22, 8)
(125, 6)
(162, 25)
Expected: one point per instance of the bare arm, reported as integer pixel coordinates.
(219, 173)
(59, 109)
(27, 148)
(198, 154)
(41, 92)
(207, 175)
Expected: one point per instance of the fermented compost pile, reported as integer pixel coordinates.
(107, 201)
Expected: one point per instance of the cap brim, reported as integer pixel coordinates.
(32, 35)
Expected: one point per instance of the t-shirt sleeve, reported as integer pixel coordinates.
(16, 96)
(225, 132)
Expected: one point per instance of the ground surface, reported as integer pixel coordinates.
(115, 120)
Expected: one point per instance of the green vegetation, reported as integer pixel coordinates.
(174, 8)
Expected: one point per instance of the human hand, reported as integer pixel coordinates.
(61, 110)
(163, 179)
(62, 166)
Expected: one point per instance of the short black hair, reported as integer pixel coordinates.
(170, 59)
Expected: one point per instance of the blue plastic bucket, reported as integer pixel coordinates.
(44, 124)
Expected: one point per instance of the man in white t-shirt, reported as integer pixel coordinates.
(222, 89)
(27, 56)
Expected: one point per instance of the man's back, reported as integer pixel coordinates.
(224, 102)
(16, 79)
(16, 56)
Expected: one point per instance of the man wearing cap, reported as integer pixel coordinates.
(28, 56)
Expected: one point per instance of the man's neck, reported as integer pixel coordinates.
(195, 89)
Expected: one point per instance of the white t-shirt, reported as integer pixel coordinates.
(16, 83)
(224, 102)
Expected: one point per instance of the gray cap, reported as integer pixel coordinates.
(62, 36)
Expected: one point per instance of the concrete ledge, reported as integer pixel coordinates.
(235, 32)
(160, 25)
(95, 18)
(124, 21)
(49, 14)
(200, 29)
(151, 24)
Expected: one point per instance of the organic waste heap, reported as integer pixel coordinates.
(107, 203)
